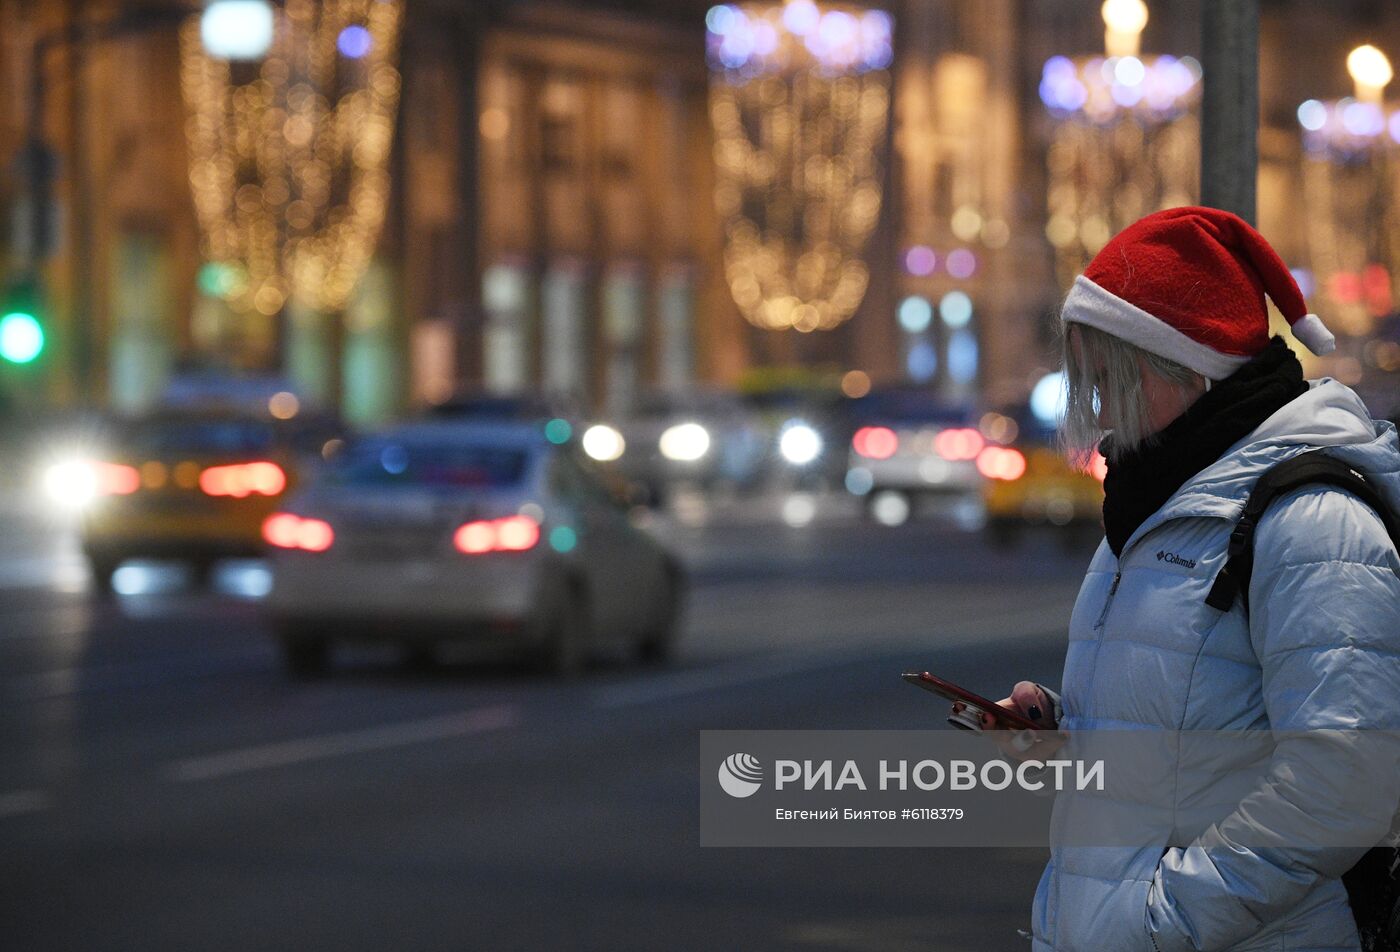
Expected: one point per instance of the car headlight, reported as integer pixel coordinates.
(75, 484)
(71, 484)
(799, 443)
(685, 442)
(603, 443)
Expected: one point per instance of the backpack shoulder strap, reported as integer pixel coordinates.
(1312, 468)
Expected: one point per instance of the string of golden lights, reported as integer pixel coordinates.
(1124, 138)
(799, 102)
(289, 170)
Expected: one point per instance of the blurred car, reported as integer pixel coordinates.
(187, 485)
(1031, 483)
(909, 446)
(442, 530)
(702, 439)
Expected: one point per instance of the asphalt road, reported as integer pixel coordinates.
(165, 786)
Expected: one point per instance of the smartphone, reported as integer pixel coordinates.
(968, 707)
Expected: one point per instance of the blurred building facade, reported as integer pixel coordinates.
(552, 222)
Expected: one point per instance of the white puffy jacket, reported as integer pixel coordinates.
(1318, 649)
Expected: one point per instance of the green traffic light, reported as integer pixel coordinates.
(21, 337)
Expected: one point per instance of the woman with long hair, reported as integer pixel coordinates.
(1173, 375)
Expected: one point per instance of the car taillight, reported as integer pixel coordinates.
(875, 442)
(243, 479)
(509, 534)
(958, 444)
(1001, 462)
(115, 479)
(288, 531)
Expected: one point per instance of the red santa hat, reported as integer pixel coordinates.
(1188, 284)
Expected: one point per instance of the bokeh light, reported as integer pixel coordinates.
(855, 383)
(799, 443)
(1049, 398)
(283, 405)
(915, 313)
(875, 442)
(394, 459)
(558, 431)
(922, 362)
(920, 261)
(859, 480)
(685, 442)
(563, 539)
(603, 443)
(1368, 66)
(236, 29)
(962, 356)
(955, 308)
(961, 263)
(21, 338)
(354, 41)
(1312, 115)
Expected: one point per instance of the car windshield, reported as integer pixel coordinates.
(200, 437)
(395, 463)
(909, 406)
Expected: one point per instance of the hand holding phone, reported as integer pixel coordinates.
(1019, 737)
(970, 710)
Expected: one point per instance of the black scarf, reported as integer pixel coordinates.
(1139, 483)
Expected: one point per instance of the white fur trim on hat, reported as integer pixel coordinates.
(1090, 304)
(1314, 335)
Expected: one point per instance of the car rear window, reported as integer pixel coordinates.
(200, 438)
(390, 463)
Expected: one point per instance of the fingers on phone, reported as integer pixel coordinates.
(1031, 701)
(989, 721)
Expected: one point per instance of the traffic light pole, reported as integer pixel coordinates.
(41, 165)
(38, 161)
(1230, 105)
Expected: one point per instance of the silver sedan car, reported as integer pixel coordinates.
(440, 530)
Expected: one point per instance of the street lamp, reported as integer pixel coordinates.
(1370, 70)
(1124, 21)
(40, 167)
(1350, 147)
(237, 29)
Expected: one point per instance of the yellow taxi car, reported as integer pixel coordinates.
(1028, 482)
(189, 486)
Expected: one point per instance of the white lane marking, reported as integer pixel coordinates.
(20, 802)
(813, 657)
(286, 753)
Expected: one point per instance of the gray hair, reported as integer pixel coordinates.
(1109, 366)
